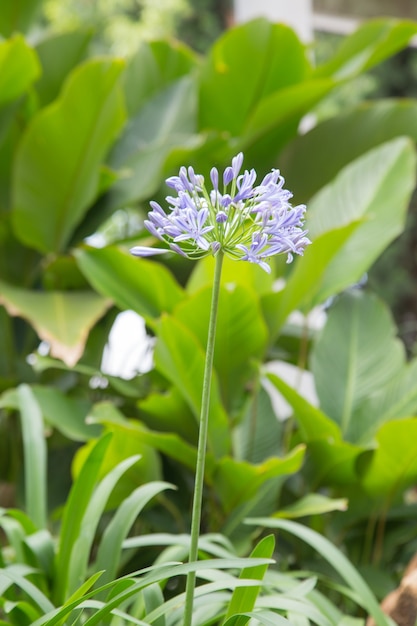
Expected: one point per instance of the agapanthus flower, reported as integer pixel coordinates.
(247, 222)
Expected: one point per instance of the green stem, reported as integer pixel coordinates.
(202, 441)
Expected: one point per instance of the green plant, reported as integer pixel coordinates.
(106, 133)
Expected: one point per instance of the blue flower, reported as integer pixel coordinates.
(245, 221)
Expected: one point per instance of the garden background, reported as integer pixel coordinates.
(96, 470)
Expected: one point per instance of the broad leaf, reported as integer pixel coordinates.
(17, 15)
(312, 504)
(375, 188)
(165, 122)
(373, 42)
(66, 143)
(307, 277)
(19, 67)
(238, 481)
(234, 273)
(318, 156)
(394, 400)
(269, 56)
(180, 358)
(330, 460)
(355, 355)
(240, 336)
(63, 319)
(153, 67)
(59, 54)
(393, 466)
(143, 286)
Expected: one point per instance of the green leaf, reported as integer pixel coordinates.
(180, 358)
(266, 618)
(312, 504)
(355, 355)
(126, 441)
(243, 599)
(336, 559)
(110, 548)
(307, 277)
(394, 400)
(64, 413)
(330, 460)
(166, 122)
(19, 68)
(241, 336)
(34, 447)
(393, 466)
(80, 552)
(59, 53)
(247, 275)
(154, 66)
(66, 143)
(238, 481)
(373, 42)
(269, 56)
(17, 15)
(313, 423)
(318, 156)
(143, 286)
(16, 575)
(74, 511)
(63, 319)
(376, 189)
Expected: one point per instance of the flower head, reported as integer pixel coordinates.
(248, 222)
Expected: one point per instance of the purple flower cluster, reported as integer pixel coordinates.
(245, 221)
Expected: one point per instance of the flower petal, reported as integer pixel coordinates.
(145, 251)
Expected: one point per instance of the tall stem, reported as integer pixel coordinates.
(202, 441)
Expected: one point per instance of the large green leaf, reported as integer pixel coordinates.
(165, 122)
(247, 64)
(317, 154)
(153, 67)
(63, 319)
(240, 336)
(375, 188)
(393, 467)
(180, 358)
(276, 118)
(59, 54)
(355, 355)
(306, 278)
(19, 67)
(57, 166)
(373, 42)
(330, 460)
(394, 400)
(143, 286)
(17, 15)
(237, 482)
(234, 273)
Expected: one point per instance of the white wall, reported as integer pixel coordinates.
(295, 13)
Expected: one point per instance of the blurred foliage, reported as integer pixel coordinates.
(120, 25)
